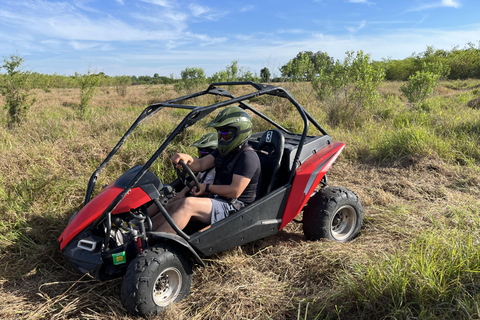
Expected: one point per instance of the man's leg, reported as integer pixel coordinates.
(182, 211)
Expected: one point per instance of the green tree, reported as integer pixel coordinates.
(298, 69)
(15, 86)
(306, 65)
(233, 73)
(265, 75)
(192, 79)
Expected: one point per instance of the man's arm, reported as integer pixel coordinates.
(233, 190)
(195, 164)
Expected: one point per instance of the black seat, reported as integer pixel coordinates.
(270, 151)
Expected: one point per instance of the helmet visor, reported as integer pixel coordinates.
(226, 135)
(203, 152)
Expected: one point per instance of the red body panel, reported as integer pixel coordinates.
(89, 213)
(307, 177)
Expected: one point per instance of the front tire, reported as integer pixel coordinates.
(156, 278)
(333, 213)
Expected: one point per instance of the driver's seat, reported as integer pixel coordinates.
(270, 151)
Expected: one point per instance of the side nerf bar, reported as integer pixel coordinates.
(307, 176)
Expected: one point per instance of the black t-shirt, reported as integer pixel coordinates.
(244, 162)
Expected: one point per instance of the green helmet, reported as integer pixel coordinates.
(208, 141)
(236, 124)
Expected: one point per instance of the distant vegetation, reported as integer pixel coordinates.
(463, 63)
(355, 77)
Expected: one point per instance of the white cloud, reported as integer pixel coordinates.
(198, 10)
(80, 46)
(247, 8)
(161, 3)
(360, 26)
(438, 4)
(204, 12)
(83, 4)
(361, 2)
(451, 3)
(293, 31)
(60, 21)
(207, 40)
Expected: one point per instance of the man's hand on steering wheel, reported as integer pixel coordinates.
(186, 172)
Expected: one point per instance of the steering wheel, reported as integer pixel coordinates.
(186, 172)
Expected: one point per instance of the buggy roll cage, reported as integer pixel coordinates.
(197, 113)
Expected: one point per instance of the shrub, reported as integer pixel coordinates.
(465, 63)
(88, 83)
(420, 85)
(234, 73)
(121, 84)
(192, 79)
(15, 86)
(399, 69)
(349, 87)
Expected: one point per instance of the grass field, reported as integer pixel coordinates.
(416, 170)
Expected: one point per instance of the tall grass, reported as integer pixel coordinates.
(438, 276)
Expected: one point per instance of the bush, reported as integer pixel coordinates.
(121, 84)
(88, 83)
(399, 69)
(349, 87)
(464, 63)
(420, 85)
(15, 86)
(234, 73)
(192, 79)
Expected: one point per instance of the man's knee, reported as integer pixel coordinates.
(191, 203)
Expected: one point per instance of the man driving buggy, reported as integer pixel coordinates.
(237, 175)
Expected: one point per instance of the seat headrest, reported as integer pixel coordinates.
(272, 141)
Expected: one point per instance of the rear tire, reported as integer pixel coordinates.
(156, 278)
(333, 213)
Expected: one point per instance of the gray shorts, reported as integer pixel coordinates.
(222, 209)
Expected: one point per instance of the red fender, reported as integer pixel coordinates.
(307, 177)
(89, 213)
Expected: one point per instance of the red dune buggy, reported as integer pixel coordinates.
(112, 236)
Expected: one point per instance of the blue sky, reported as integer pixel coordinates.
(143, 37)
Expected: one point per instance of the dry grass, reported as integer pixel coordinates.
(44, 167)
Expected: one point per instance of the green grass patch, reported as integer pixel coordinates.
(437, 277)
(408, 141)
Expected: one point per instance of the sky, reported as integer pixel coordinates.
(144, 37)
